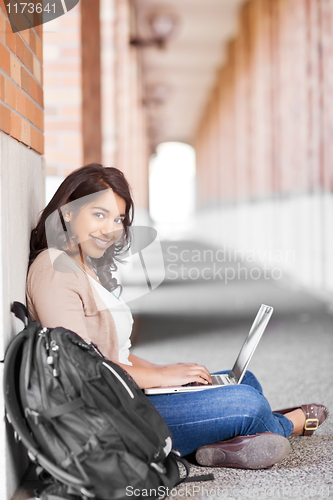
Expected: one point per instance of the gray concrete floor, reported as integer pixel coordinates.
(205, 321)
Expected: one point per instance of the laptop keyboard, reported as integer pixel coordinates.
(216, 380)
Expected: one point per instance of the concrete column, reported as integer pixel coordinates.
(275, 122)
(22, 189)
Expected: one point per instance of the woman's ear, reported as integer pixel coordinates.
(66, 214)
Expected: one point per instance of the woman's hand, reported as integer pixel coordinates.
(182, 374)
(148, 374)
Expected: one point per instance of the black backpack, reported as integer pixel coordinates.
(84, 420)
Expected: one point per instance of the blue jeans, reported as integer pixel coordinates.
(205, 417)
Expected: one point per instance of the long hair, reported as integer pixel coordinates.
(87, 180)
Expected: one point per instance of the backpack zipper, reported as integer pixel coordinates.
(41, 337)
(96, 349)
(119, 378)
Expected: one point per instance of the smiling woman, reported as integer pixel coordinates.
(80, 234)
(89, 218)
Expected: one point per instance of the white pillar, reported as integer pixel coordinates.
(22, 192)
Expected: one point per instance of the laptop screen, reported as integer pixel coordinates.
(257, 329)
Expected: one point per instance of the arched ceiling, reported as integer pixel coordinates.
(179, 78)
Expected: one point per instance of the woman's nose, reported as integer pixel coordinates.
(110, 227)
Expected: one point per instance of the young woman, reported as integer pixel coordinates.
(80, 236)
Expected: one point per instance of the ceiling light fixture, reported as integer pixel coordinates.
(156, 94)
(162, 26)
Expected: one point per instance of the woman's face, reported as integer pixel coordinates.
(98, 224)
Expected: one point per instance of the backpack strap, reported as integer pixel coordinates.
(192, 479)
(21, 312)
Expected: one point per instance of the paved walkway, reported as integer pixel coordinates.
(205, 321)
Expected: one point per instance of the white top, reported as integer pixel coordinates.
(122, 317)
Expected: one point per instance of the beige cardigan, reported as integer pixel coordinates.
(59, 293)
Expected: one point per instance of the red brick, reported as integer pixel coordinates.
(32, 41)
(39, 49)
(28, 60)
(37, 22)
(30, 106)
(21, 100)
(39, 118)
(25, 80)
(5, 119)
(37, 69)
(10, 95)
(2, 26)
(36, 140)
(20, 48)
(40, 95)
(2, 88)
(5, 58)
(10, 38)
(39, 31)
(25, 132)
(15, 126)
(25, 34)
(15, 69)
(33, 88)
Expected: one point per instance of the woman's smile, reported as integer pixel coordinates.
(98, 224)
(99, 242)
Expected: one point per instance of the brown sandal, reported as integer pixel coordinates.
(257, 451)
(315, 416)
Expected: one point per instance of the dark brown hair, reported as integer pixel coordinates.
(87, 180)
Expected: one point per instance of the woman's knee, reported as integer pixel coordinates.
(251, 379)
(250, 402)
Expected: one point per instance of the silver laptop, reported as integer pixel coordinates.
(235, 376)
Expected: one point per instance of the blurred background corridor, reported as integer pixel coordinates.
(220, 115)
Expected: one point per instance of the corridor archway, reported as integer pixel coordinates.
(172, 189)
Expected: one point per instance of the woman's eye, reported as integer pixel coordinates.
(119, 220)
(99, 213)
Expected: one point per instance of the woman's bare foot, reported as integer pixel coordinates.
(298, 419)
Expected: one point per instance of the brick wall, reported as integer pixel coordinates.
(63, 94)
(124, 138)
(21, 83)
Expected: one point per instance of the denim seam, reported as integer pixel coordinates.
(226, 418)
